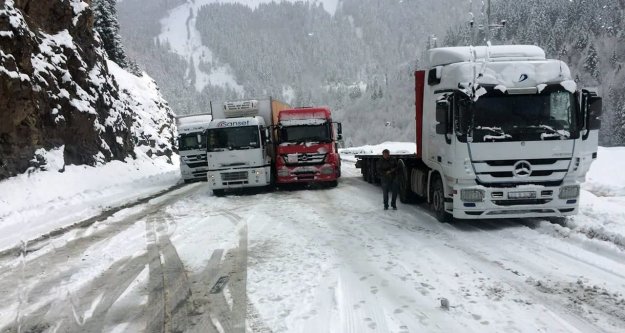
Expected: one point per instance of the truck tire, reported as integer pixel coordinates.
(219, 193)
(405, 192)
(370, 175)
(437, 203)
(333, 183)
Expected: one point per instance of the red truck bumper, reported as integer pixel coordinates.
(291, 175)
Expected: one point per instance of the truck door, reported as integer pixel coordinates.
(443, 139)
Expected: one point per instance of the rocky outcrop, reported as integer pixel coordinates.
(56, 90)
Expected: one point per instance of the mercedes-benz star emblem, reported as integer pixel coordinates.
(522, 169)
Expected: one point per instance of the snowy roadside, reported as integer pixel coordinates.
(602, 202)
(35, 204)
(601, 215)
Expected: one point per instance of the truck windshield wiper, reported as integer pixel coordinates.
(548, 129)
(499, 134)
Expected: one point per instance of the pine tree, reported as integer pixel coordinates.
(591, 64)
(107, 26)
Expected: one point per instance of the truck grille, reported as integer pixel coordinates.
(197, 165)
(234, 176)
(515, 172)
(305, 159)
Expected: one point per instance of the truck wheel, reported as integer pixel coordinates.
(438, 201)
(219, 193)
(405, 193)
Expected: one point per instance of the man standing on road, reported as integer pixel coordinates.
(387, 169)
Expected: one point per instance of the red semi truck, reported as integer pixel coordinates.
(306, 146)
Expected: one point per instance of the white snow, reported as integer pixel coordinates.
(38, 203)
(606, 177)
(147, 104)
(331, 260)
(348, 154)
(181, 22)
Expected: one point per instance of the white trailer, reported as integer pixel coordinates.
(192, 146)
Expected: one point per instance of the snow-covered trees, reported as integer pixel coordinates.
(106, 25)
(588, 35)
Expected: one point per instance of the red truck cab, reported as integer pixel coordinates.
(306, 147)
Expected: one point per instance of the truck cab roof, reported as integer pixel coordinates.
(450, 55)
(306, 113)
(507, 67)
(193, 123)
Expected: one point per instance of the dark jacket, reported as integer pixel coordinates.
(387, 169)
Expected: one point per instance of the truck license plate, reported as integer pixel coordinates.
(291, 158)
(522, 195)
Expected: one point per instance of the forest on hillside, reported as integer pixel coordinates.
(360, 60)
(589, 35)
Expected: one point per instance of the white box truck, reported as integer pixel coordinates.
(240, 144)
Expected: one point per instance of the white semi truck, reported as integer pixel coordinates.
(192, 146)
(240, 144)
(501, 132)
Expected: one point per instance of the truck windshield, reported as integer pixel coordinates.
(233, 138)
(306, 133)
(189, 141)
(546, 116)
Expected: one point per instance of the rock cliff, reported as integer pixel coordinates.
(56, 90)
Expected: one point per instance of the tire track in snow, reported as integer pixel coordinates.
(50, 310)
(168, 284)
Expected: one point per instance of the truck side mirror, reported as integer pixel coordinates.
(595, 107)
(339, 131)
(200, 143)
(442, 117)
(268, 134)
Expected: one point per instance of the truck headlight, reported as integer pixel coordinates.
(472, 195)
(326, 170)
(569, 192)
(283, 172)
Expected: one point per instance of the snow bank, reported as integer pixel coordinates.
(40, 202)
(606, 177)
(347, 154)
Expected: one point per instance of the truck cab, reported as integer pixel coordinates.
(505, 132)
(192, 146)
(238, 148)
(306, 147)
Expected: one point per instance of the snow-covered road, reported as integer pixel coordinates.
(326, 260)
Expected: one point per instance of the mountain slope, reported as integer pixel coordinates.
(358, 59)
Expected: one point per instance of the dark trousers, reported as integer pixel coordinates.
(392, 186)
